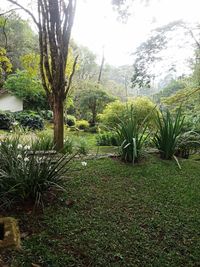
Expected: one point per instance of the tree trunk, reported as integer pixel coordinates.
(58, 116)
(93, 122)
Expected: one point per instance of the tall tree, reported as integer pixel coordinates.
(93, 100)
(54, 24)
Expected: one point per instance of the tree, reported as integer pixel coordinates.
(149, 53)
(93, 100)
(88, 67)
(17, 37)
(170, 89)
(54, 24)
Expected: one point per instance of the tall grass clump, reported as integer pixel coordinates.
(132, 136)
(169, 130)
(26, 175)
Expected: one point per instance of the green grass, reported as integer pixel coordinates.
(146, 215)
(76, 135)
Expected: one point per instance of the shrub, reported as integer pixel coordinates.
(82, 124)
(142, 108)
(93, 129)
(25, 177)
(28, 88)
(70, 120)
(188, 143)
(169, 130)
(6, 120)
(112, 114)
(30, 120)
(107, 139)
(47, 115)
(132, 136)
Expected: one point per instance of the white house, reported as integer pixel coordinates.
(9, 102)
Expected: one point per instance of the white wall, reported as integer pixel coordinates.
(11, 103)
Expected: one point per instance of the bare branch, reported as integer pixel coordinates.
(11, 10)
(25, 9)
(4, 32)
(71, 76)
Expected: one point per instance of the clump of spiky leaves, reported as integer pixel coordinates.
(43, 142)
(169, 130)
(26, 175)
(132, 136)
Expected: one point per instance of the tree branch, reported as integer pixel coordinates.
(4, 32)
(25, 9)
(71, 76)
(11, 10)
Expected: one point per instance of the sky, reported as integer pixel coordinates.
(96, 25)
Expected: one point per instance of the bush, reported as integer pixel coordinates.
(169, 130)
(142, 108)
(47, 115)
(71, 120)
(28, 88)
(30, 120)
(82, 124)
(25, 176)
(107, 139)
(93, 129)
(112, 114)
(6, 120)
(188, 143)
(132, 136)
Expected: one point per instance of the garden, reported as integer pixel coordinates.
(98, 165)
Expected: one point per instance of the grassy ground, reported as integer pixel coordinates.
(90, 139)
(146, 215)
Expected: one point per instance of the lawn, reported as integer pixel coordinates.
(113, 214)
(90, 139)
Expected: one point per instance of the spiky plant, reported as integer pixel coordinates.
(132, 136)
(169, 130)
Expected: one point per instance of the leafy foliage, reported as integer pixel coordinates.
(27, 88)
(169, 130)
(107, 139)
(70, 120)
(82, 124)
(30, 120)
(188, 143)
(21, 39)
(132, 136)
(6, 120)
(149, 54)
(30, 63)
(169, 90)
(25, 176)
(93, 100)
(142, 108)
(5, 64)
(46, 115)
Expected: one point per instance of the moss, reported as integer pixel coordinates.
(11, 235)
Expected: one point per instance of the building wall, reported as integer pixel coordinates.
(10, 103)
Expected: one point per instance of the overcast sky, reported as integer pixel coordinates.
(96, 25)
